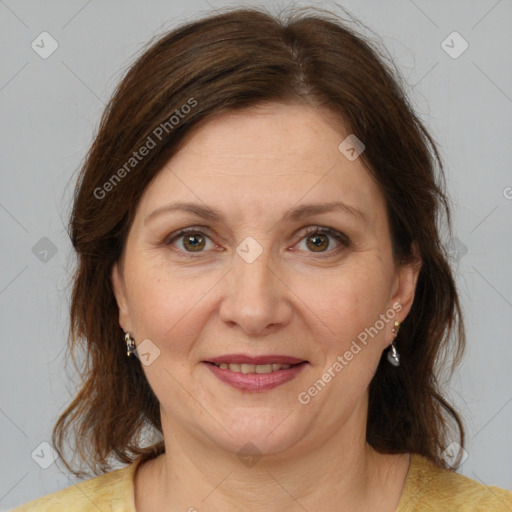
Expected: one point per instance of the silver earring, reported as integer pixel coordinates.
(130, 344)
(393, 355)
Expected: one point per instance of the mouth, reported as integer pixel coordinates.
(260, 373)
(254, 368)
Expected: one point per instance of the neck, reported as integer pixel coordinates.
(343, 473)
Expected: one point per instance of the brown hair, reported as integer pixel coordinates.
(227, 61)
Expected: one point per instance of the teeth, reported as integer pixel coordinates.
(253, 368)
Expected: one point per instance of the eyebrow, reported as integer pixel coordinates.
(294, 215)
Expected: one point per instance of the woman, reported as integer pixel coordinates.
(262, 285)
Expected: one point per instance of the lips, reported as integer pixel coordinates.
(256, 360)
(255, 373)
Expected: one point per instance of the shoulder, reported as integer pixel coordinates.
(431, 488)
(113, 491)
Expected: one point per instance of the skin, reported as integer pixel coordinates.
(293, 299)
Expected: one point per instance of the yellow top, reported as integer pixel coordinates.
(427, 488)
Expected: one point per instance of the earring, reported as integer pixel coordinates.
(130, 344)
(393, 355)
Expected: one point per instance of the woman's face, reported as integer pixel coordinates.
(253, 280)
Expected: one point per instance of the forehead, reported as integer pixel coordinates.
(270, 131)
(260, 157)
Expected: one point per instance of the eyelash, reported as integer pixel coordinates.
(340, 237)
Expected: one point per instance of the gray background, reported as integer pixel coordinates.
(50, 111)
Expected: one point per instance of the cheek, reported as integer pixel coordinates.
(164, 308)
(353, 300)
(352, 304)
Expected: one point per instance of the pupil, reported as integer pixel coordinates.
(318, 241)
(192, 241)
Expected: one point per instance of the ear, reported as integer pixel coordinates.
(119, 288)
(405, 282)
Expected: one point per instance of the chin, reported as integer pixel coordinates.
(264, 433)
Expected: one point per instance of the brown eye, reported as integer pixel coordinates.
(194, 242)
(318, 242)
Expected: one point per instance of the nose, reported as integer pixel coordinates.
(256, 299)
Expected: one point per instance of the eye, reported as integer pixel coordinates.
(194, 240)
(317, 240)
